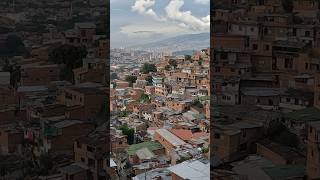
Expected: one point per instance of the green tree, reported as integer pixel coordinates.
(13, 46)
(114, 85)
(149, 79)
(200, 62)
(279, 133)
(147, 68)
(131, 80)
(70, 56)
(187, 57)
(114, 76)
(129, 132)
(197, 103)
(144, 98)
(173, 63)
(15, 73)
(124, 113)
(167, 67)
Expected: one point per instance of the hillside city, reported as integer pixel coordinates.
(160, 114)
(265, 89)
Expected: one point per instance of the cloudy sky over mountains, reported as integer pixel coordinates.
(141, 21)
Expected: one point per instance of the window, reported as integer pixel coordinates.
(267, 47)
(90, 149)
(244, 133)
(78, 145)
(270, 102)
(288, 63)
(306, 66)
(243, 146)
(83, 33)
(100, 164)
(217, 136)
(217, 69)
(296, 101)
(307, 33)
(224, 55)
(91, 162)
(255, 46)
(232, 70)
(82, 159)
(251, 29)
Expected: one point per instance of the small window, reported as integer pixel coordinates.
(78, 145)
(217, 136)
(90, 149)
(270, 102)
(224, 55)
(243, 146)
(307, 33)
(255, 46)
(267, 47)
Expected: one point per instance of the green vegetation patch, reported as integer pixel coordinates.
(308, 114)
(285, 171)
(152, 146)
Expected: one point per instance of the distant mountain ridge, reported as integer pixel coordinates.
(185, 42)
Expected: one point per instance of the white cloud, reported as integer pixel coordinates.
(149, 30)
(205, 2)
(174, 13)
(145, 7)
(141, 6)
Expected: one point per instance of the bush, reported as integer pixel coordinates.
(147, 68)
(279, 133)
(129, 132)
(131, 80)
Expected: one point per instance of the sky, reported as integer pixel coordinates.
(135, 22)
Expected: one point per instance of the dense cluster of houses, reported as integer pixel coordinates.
(265, 69)
(168, 110)
(43, 116)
